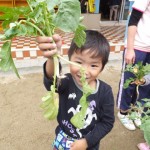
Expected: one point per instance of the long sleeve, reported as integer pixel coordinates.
(106, 122)
(147, 79)
(135, 17)
(47, 82)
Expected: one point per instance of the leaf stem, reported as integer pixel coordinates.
(30, 6)
(70, 62)
(47, 23)
(49, 33)
(33, 25)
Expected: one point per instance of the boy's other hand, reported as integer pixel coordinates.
(49, 45)
(79, 145)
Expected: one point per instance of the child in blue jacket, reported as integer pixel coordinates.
(92, 56)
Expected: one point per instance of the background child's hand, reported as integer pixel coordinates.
(49, 45)
(79, 145)
(139, 82)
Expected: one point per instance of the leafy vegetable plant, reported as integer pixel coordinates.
(139, 71)
(79, 118)
(143, 107)
(41, 18)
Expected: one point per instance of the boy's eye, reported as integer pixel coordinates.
(78, 62)
(94, 66)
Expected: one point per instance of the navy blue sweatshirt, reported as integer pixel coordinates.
(100, 114)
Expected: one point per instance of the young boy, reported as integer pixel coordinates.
(93, 56)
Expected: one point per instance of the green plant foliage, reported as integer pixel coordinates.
(12, 14)
(50, 104)
(69, 12)
(139, 70)
(128, 81)
(6, 60)
(79, 118)
(40, 18)
(145, 127)
(144, 109)
(79, 39)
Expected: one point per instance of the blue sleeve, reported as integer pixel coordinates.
(47, 81)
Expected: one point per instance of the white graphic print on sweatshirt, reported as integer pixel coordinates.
(89, 114)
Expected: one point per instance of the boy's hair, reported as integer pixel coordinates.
(95, 42)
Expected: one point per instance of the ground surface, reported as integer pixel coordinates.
(22, 126)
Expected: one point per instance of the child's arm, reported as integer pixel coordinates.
(132, 29)
(49, 49)
(147, 79)
(106, 118)
(130, 54)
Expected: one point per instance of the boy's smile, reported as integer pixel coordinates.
(91, 64)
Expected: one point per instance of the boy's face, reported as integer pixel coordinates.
(91, 65)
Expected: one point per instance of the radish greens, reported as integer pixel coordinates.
(40, 18)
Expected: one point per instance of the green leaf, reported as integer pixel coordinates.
(51, 4)
(51, 113)
(14, 68)
(129, 67)
(50, 105)
(146, 69)
(6, 61)
(36, 13)
(78, 120)
(80, 36)
(68, 15)
(127, 82)
(15, 10)
(11, 32)
(147, 104)
(31, 31)
(134, 115)
(146, 100)
(138, 104)
(22, 30)
(12, 14)
(2, 37)
(146, 129)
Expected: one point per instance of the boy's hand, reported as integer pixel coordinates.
(79, 145)
(49, 45)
